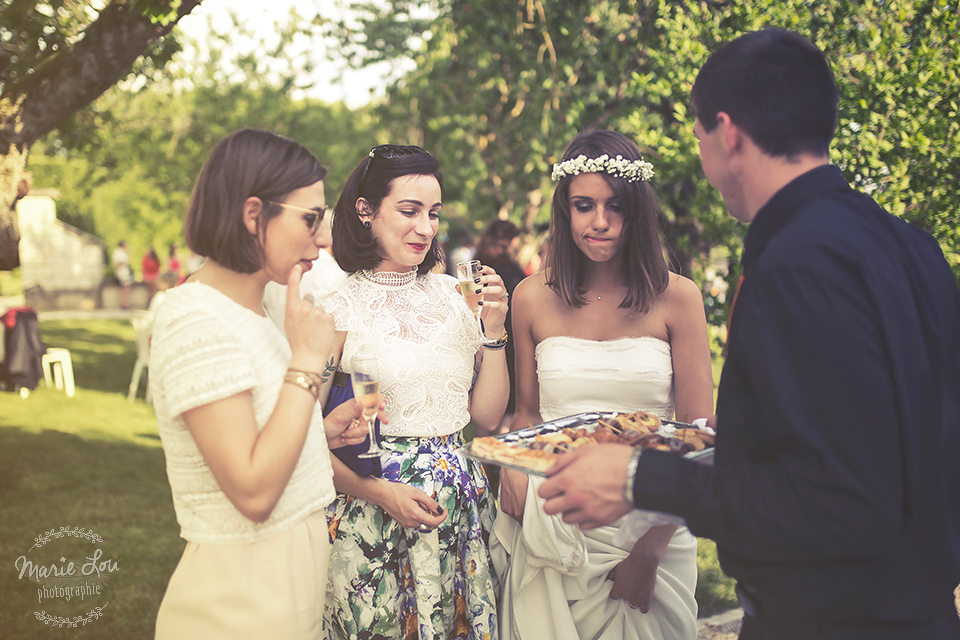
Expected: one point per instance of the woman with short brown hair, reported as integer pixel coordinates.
(237, 404)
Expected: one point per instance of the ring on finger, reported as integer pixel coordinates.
(634, 606)
(424, 529)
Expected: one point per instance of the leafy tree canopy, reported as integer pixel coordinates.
(500, 87)
(56, 56)
(130, 175)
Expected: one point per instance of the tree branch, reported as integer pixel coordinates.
(78, 75)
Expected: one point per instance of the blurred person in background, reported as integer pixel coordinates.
(173, 262)
(150, 271)
(120, 260)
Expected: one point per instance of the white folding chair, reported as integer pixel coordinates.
(142, 322)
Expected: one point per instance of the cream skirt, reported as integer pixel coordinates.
(272, 588)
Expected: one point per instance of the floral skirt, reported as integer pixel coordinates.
(386, 581)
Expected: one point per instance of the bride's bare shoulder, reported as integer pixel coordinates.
(533, 285)
(682, 290)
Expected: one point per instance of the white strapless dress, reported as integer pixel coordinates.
(552, 574)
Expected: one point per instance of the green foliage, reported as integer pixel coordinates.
(32, 32)
(500, 87)
(161, 12)
(898, 65)
(131, 176)
(11, 284)
(715, 590)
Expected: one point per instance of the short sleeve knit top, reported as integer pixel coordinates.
(205, 348)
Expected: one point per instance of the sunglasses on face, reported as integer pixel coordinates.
(313, 218)
(387, 152)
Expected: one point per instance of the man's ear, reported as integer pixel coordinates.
(731, 134)
(252, 207)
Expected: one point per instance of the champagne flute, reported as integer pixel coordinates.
(366, 388)
(467, 273)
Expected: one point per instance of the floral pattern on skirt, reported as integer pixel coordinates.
(386, 581)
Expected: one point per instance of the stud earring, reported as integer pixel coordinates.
(366, 223)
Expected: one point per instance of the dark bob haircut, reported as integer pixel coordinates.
(246, 163)
(774, 85)
(354, 246)
(644, 268)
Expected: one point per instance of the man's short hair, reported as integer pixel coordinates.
(776, 86)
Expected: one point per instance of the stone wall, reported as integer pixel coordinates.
(60, 265)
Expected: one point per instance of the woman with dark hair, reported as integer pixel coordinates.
(410, 558)
(606, 327)
(236, 403)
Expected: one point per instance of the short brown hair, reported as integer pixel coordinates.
(644, 268)
(247, 163)
(775, 85)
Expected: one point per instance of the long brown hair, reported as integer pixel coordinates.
(644, 269)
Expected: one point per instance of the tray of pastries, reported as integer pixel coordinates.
(534, 449)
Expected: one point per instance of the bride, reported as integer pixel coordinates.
(606, 327)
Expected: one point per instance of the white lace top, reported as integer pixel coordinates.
(626, 375)
(424, 339)
(205, 348)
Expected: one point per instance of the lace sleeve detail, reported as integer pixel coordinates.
(340, 306)
(197, 362)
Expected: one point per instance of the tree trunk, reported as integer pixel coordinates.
(11, 174)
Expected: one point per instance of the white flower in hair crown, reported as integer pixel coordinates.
(629, 170)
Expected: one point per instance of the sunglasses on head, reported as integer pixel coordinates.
(313, 218)
(387, 152)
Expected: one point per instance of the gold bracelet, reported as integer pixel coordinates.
(315, 377)
(305, 380)
(499, 344)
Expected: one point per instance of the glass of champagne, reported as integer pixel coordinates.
(467, 273)
(366, 388)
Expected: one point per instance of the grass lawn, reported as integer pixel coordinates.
(91, 462)
(94, 462)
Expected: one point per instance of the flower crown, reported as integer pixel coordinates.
(629, 170)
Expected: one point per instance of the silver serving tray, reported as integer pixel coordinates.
(585, 419)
